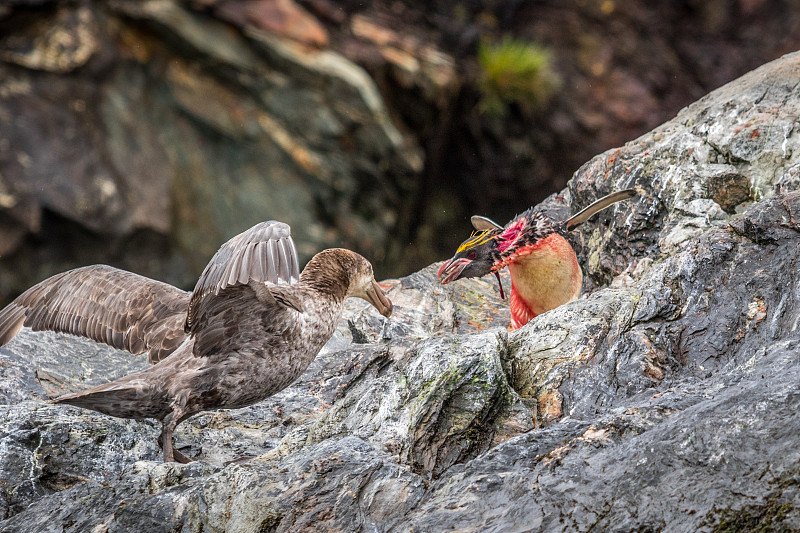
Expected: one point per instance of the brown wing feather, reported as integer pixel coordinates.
(264, 253)
(238, 317)
(119, 308)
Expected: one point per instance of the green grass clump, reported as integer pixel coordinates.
(514, 71)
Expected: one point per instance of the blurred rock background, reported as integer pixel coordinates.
(144, 134)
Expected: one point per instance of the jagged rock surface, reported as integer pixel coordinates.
(665, 401)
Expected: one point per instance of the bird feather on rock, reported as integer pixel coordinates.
(251, 326)
(544, 269)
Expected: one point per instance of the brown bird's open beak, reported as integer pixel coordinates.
(378, 299)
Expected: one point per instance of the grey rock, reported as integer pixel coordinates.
(664, 399)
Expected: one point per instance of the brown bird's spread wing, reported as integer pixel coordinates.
(119, 308)
(264, 254)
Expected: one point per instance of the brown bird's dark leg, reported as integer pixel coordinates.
(168, 426)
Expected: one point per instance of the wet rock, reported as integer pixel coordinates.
(666, 401)
(281, 17)
(434, 407)
(64, 44)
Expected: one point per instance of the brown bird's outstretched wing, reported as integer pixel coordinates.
(263, 254)
(106, 304)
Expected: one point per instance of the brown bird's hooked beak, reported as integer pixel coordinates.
(379, 300)
(450, 270)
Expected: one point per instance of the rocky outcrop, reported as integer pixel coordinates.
(666, 399)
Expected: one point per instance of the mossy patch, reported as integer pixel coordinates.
(753, 518)
(514, 71)
(269, 524)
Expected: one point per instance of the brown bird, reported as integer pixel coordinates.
(544, 269)
(251, 326)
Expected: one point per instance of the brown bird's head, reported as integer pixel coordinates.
(346, 273)
(363, 285)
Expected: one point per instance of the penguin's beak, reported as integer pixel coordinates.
(451, 270)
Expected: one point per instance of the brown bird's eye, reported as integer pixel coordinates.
(471, 255)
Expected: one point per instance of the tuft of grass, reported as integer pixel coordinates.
(514, 71)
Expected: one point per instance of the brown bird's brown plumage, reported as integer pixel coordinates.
(251, 326)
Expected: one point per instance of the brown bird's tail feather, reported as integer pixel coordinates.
(123, 400)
